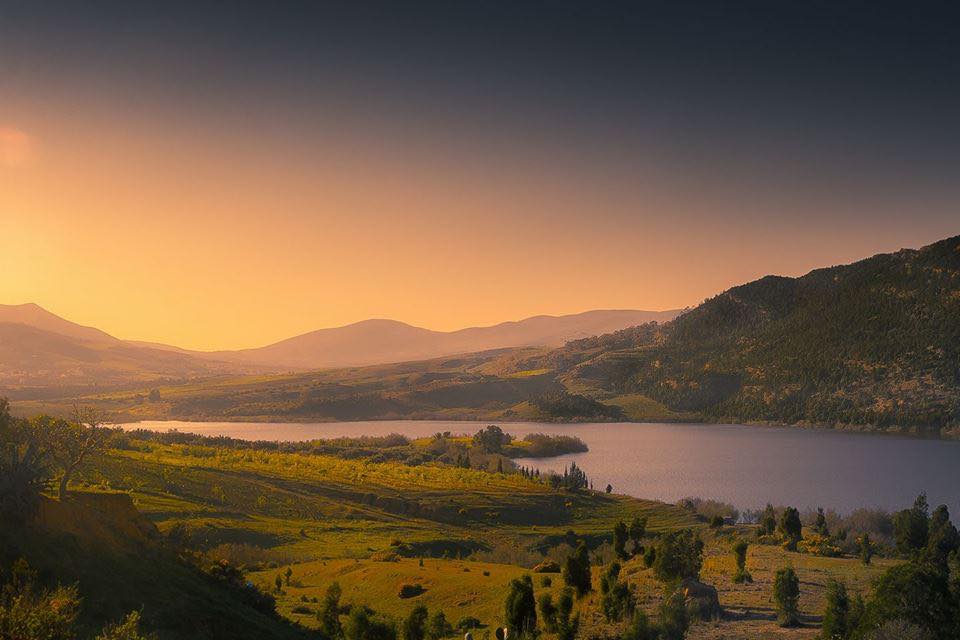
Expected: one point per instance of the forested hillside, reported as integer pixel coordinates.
(875, 343)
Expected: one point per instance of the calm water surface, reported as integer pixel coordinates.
(744, 465)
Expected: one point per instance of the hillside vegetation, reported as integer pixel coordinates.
(873, 345)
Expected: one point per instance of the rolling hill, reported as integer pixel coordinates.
(872, 345)
(384, 341)
(43, 355)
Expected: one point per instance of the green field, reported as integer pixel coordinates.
(368, 526)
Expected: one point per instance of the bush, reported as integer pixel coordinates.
(819, 545)
(740, 556)
(786, 595)
(410, 590)
(836, 616)
(23, 471)
(576, 571)
(29, 612)
(329, 614)
(385, 556)
(616, 599)
(520, 607)
(467, 623)
(547, 566)
(790, 528)
(414, 626)
(363, 624)
(650, 556)
(679, 555)
(303, 609)
(438, 627)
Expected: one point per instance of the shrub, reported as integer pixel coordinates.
(329, 614)
(410, 590)
(650, 556)
(576, 571)
(547, 566)
(303, 609)
(819, 545)
(790, 528)
(467, 623)
(438, 627)
(385, 556)
(679, 555)
(620, 537)
(616, 599)
(674, 618)
(129, 629)
(911, 526)
(363, 624)
(521, 607)
(836, 616)
(786, 595)
(740, 556)
(414, 625)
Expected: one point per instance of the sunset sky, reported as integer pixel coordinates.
(227, 178)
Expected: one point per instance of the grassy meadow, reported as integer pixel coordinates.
(460, 534)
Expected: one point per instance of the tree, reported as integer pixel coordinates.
(836, 616)
(438, 627)
(548, 611)
(70, 443)
(362, 624)
(278, 581)
(790, 527)
(567, 625)
(616, 600)
(740, 556)
(329, 614)
(576, 571)
(414, 625)
(620, 536)
(768, 521)
(943, 538)
(918, 593)
(638, 528)
(679, 555)
(609, 488)
(521, 607)
(492, 439)
(287, 575)
(23, 467)
(866, 548)
(820, 525)
(786, 595)
(911, 527)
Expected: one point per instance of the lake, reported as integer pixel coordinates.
(746, 466)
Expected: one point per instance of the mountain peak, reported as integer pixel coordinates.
(33, 315)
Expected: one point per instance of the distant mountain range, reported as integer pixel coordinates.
(40, 350)
(873, 345)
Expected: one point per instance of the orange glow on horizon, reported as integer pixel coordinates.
(213, 238)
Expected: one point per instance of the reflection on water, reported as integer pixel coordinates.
(744, 465)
